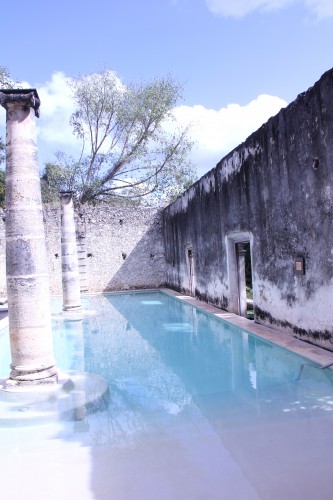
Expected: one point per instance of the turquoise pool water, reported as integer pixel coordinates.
(198, 409)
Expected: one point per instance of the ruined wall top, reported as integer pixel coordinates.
(313, 103)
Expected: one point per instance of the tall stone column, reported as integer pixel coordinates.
(82, 259)
(26, 261)
(81, 248)
(69, 258)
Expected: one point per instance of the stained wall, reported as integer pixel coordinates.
(276, 188)
(124, 247)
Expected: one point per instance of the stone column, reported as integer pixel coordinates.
(81, 248)
(69, 258)
(82, 259)
(26, 261)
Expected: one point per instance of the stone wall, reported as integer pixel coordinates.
(276, 191)
(124, 248)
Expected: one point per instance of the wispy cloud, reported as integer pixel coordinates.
(216, 132)
(240, 8)
(56, 109)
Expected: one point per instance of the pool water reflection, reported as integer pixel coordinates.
(198, 408)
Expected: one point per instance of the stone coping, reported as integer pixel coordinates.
(278, 337)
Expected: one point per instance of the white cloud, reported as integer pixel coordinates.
(53, 130)
(240, 8)
(56, 109)
(217, 132)
(322, 8)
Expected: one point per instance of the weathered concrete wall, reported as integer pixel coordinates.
(271, 190)
(125, 248)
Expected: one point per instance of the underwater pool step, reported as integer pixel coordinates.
(76, 395)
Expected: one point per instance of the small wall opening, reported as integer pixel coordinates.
(249, 282)
(240, 276)
(244, 276)
(190, 267)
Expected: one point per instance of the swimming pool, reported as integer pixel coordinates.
(198, 409)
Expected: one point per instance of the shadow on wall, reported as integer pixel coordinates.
(123, 247)
(143, 267)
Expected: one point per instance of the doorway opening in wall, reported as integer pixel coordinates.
(190, 265)
(240, 274)
(248, 280)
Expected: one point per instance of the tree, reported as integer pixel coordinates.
(2, 151)
(54, 179)
(2, 188)
(5, 83)
(130, 145)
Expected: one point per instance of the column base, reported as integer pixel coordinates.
(72, 308)
(72, 313)
(28, 379)
(15, 385)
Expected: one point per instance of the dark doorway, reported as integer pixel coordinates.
(249, 282)
(191, 270)
(244, 272)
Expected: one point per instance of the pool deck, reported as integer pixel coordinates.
(278, 337)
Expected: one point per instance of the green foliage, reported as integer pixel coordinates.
(5, 81)
(2, 188)
(53, 180)
(2, 151)
(131, 147)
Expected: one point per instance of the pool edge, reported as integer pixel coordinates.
(309, 351)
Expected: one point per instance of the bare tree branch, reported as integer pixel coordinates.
(130, 150)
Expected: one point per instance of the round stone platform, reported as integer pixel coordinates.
(74, 396)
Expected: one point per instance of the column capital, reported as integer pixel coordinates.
(27, 97)
(66, 197)
(66, 193)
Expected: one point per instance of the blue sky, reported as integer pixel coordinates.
(239, 60)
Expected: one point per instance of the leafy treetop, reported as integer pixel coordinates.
(131, 146)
